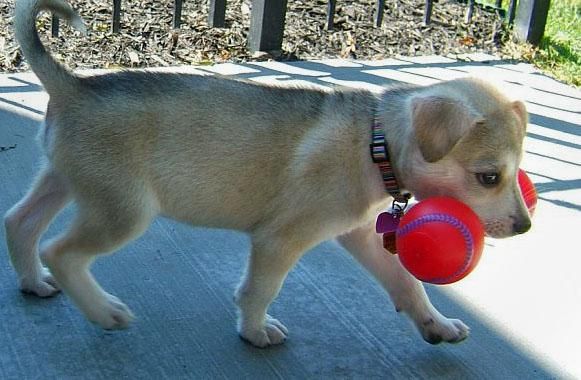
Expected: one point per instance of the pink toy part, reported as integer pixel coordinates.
(440, 240)
(529, 193)
(387, 222)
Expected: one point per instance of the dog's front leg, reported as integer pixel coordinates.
(270, 261)
(407, 292)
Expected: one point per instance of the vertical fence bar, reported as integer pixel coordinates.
(267, 25)
(379, 7)
(217, 13)
(177, 14)
(511, 11)
(428, 12)
(116, 26)
(331, 4)
(469, 11)
(531, 19)
(54, 26)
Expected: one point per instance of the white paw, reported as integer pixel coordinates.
(41, 286)
(112, 314)
(439, 329)
(271, 333)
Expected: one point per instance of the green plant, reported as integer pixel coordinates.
(560, 49)
(559, 53)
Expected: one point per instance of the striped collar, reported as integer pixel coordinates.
(380, 156)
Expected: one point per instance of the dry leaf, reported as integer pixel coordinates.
(467, 41)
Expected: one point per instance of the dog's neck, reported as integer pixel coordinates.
(380, 155)
(389, 123)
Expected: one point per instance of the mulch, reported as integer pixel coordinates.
(148, 39)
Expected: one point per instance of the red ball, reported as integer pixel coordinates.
(528, 191)
(440, 240)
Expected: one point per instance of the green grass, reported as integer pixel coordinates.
(560, 50)
(559, 53)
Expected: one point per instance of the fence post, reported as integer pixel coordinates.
(116, 26)
(428, 12)
(54, 26)
(511, 11)
(267, 25)
(379, 6)
(177, 14)
(330, 14)
(469, 11)
(531, 17)
(217, 13)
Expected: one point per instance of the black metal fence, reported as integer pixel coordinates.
(267, 18)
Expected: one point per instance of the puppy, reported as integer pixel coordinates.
(289, 166)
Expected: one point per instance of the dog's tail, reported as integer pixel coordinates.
(52, 74)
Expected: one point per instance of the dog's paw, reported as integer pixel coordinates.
(112, 314)
(439, 329)
(41, 286)
(271, 333)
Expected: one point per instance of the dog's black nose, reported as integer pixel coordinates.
(521, 226)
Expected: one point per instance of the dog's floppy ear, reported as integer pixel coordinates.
(520, 111)
(438, 123)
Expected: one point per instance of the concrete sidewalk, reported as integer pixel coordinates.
(523, 302)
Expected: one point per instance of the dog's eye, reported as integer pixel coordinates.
(488, 179)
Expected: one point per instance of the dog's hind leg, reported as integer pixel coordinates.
(25, 223)
(407, 293)
(102, 225)
(270, 261)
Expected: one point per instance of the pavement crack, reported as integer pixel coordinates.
(7, 148)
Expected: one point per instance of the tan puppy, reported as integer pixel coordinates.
(289, 166)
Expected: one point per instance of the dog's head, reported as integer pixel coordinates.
(466, 142)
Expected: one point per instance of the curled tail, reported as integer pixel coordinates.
(52, 74)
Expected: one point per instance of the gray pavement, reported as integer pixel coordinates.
(523, 301)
